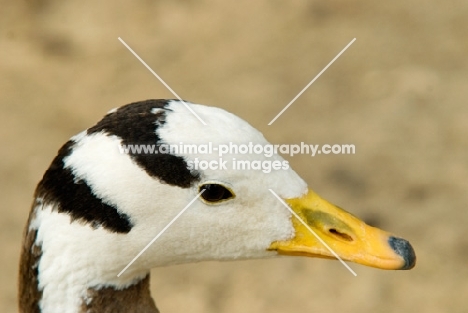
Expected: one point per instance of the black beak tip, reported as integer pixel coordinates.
(404, 249)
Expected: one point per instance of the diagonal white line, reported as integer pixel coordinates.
(160, 233)
(161, 80)
(311, 82)
(313, 233)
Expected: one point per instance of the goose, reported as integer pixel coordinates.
(97, 207)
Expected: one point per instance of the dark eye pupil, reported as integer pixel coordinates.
(215, 192)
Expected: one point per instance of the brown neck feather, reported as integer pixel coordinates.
(29, 293)
(133, 299)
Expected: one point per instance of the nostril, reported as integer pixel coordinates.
(340, 234)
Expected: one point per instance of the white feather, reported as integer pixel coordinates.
(77, 257)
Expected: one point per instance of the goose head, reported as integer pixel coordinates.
(99, 205)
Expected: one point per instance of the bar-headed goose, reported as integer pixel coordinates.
(98, 206)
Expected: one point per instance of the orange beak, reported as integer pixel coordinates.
(350, 238)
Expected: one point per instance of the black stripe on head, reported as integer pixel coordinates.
(136, 124)
(73, 196)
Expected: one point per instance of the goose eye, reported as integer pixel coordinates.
(215, 193)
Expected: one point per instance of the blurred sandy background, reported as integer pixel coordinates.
(399, 94)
